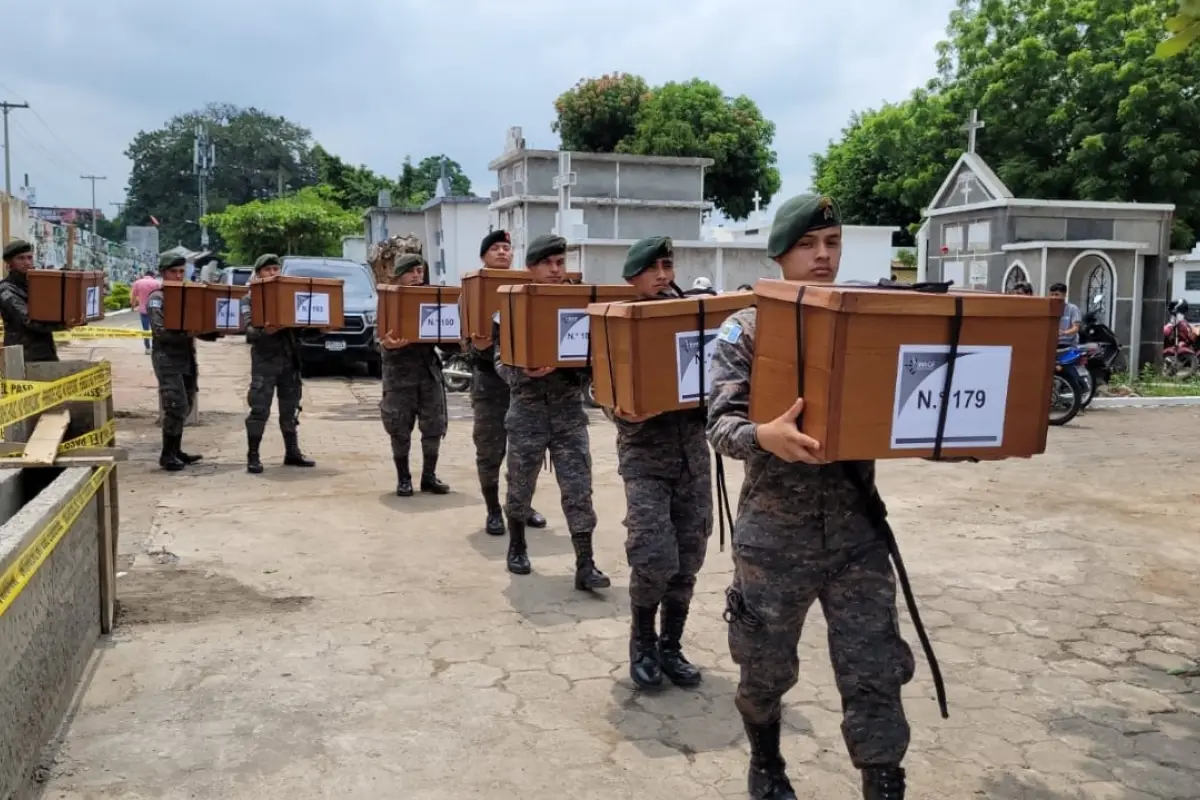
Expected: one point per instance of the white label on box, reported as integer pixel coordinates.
(92, 302)
(976, 401)
(312, 309)
(574, 330)
(229, 313)
(437, 327)
(691, 380)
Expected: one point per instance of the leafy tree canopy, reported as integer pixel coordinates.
(617, 113)
(309, 222)
(1076, 103)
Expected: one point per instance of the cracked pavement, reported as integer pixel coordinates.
(315, 636)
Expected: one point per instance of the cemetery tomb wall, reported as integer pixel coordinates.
(633, 180)
(1154, 307)
(51, 628)
(603, 263)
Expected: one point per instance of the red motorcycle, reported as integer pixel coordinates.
(1180, 342)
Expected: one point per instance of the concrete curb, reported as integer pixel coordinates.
(118, 311)
(1143, 402)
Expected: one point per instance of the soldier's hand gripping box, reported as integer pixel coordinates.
(296, 302)
(419, 313)
(892, 373)
(66, 297)
(546, 325)
(654, 356)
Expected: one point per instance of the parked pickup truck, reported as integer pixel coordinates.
(354, 342)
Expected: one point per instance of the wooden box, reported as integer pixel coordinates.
(293, 302)
(479, 299)
(875, 369)
(224, 304)
(419, 313)
(186, 307)
(546, 325)
(66, 296)
(646, 356)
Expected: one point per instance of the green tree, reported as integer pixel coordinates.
(597, 114)
(257, 155)
(1076, 103)
(889, 162)
(309, 222)
(418, 184)
(355, 188)
(1184, 28)
(696, 119)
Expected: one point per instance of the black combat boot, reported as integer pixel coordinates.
(535, 520)
(292, 455)
(587, 577)
(670, 653)
(187, 459)
(518, 554)
(169, 459)
(404, 487)
(495, 516)
(883, 783)
(429, 478)
(643, 649)
(254, 463)
(768, 778)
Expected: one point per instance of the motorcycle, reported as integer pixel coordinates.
(456, 369)
(1076, 358)
(1066, 393)
(1102, 347)
(1179, 344)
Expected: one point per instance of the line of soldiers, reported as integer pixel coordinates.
(805, 529)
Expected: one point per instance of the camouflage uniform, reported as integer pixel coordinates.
(413, 392)
(274, 368)
(37, 338)
(546, 415)
(174, 359)
(803, 534)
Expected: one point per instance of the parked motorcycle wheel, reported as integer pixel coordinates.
(453, 383)
(1087, 388)
(1181, 365)
(1066, 399)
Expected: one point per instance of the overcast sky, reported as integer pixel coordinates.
(377, 79)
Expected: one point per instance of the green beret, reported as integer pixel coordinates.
(406, 263)
(170, 261)
(268, 260)
(17, 247)
(799, 216)
(644, 253)
(543, 247)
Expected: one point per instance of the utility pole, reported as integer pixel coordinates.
(204, 159)
(120, 207)
(93, 179)
(7, 107)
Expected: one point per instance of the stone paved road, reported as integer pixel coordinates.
(309, 635)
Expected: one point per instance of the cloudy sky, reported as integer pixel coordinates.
(377, 79)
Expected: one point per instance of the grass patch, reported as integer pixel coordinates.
(1150, 383)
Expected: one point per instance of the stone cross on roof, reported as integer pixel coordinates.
(972, 128)
(757, 201)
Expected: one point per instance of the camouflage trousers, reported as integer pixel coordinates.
(490, 437)
(175, 392)
(770, 597)
(668, 524)
(422, 405)
(571, 458)
(263, 388)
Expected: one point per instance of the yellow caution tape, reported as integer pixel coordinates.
(16, 387)
(17, 407)
(101, 437)
(17, 577)
(89, 332)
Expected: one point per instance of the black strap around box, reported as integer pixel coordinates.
(876, 510)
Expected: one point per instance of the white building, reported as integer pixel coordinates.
(454, 227)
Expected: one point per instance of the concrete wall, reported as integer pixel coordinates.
(380, 223)
(454, 227)
(49, 631)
